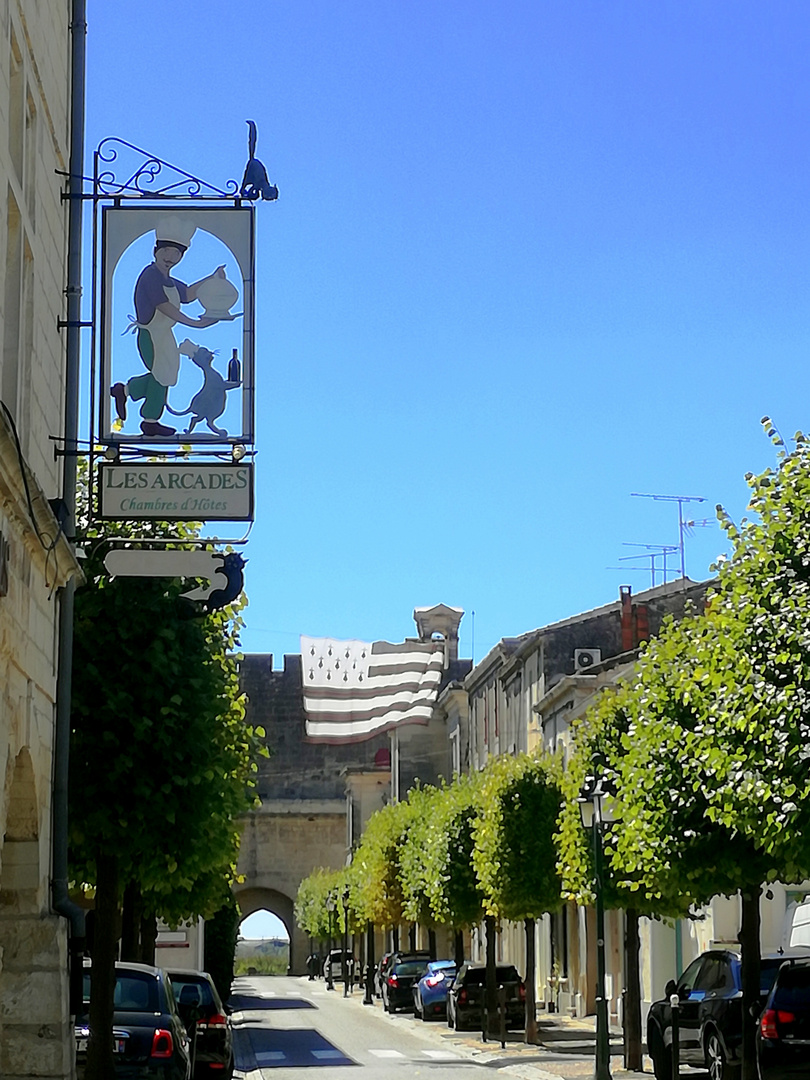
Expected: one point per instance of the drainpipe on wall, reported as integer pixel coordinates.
(61, 901)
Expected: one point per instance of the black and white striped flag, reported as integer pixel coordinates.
(355, 689)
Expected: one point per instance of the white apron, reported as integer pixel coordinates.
(166, 365)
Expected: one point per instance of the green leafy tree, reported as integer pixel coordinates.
(376, 872)
(413, 864)
(713, 785)
(161, 760)
(311, 903)
(514, 853)
(598, 743)
(449, 880)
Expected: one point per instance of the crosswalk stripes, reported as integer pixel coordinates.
(277, 1057)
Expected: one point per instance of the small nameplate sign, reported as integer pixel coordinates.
(155, 491)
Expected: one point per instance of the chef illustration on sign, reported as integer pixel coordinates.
(158, 297)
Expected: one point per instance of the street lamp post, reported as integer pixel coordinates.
(368, 996)
(595, 805)
(330, 907)
(345, 965)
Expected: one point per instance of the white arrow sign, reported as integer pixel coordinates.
(149, 562)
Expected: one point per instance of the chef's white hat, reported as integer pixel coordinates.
(174, 228)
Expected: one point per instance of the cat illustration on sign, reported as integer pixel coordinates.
(208, 403)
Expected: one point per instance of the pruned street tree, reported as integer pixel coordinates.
(713, 785)
(161, 763)
(514, 853)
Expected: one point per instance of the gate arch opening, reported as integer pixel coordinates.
(267, 952)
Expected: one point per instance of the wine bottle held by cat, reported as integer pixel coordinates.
(234, 369)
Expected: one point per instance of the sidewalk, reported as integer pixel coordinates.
(565, 1049)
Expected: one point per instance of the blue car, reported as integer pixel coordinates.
(430, 992)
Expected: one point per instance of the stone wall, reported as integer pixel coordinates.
(36, 1035)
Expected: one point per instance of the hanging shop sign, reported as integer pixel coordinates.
(155, 491)
(177, 325)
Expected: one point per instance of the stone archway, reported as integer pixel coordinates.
(19, 852)
(35, 1030)
(253, 899)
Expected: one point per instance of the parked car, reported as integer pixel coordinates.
(710, 1014)
(207, 1022)
(378, 973)
(391, 958)
(466, 995)
(149, 1036)
(783, 1033)
(397, 990)
(430, 992)
(334, 964)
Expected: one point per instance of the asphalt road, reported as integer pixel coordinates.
(284, 1025)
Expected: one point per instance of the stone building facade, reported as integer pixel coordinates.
(36, 1037)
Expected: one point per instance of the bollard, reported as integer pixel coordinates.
(483, 1014)
(502, 1011)
(675, 1046)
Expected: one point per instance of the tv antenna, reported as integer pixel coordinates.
(652, 552)
(685, 526)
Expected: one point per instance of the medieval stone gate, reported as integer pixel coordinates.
(309, 793)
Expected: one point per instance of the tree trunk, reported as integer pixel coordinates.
(131, 915)
(531, 983)
(412, 937)
(100, 1059)
(432, 942)
(394, 939)
(149, 933)
(750, 962)
(492, 983)
(458, 944)
(632, 994)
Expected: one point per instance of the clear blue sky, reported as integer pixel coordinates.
(528, 258)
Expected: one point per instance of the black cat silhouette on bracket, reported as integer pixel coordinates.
(255, 183)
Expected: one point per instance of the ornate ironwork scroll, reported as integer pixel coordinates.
(147, 176)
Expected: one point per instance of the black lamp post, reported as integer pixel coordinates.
(330, 907)
(368, 996)
(596, 808)
(345, 965)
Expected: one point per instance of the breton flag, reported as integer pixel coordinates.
(355, 689)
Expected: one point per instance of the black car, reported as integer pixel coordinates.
(466, 996)
(207, 1022)
(149, 1036)
(391, 958)
(783, 1034)
(398, 984)
(710, 1014)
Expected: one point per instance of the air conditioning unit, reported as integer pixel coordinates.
(586, 658)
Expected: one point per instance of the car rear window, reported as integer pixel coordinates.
(135, 992)
(793, 989)
(767, 973)
(195, 992)
(413, 967)
(503, 974)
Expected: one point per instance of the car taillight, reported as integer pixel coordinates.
(215, 1021)
(462, 996)
(434, 980)
(771, 1018)
(392, 980)
(162, 1043)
